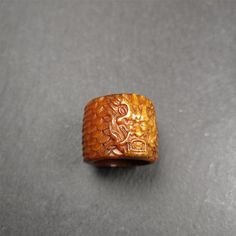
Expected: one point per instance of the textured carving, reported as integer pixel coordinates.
(120, 126)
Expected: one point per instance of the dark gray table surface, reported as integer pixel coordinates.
(57, 55)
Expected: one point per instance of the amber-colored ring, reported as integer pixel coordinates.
(120, 130)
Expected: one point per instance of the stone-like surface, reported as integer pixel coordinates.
(57, 55)
(121, 128)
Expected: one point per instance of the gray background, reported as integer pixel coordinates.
(57, 55)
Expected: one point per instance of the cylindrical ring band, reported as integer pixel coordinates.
(120, 130)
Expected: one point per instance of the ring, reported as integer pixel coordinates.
(120, 130)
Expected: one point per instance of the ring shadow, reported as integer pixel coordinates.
(149, 171)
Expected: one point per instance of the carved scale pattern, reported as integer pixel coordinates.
(121, 125)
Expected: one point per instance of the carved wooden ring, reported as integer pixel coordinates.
(120, 130)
